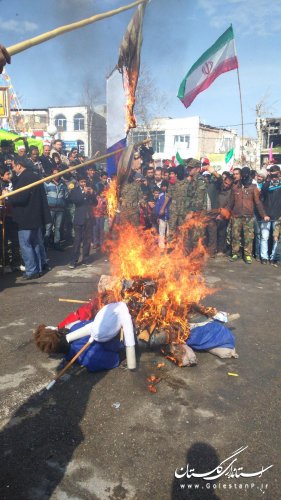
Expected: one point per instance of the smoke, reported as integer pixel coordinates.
(83, 51)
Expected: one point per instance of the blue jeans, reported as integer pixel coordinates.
(98, 231)
(57, 217)
(29, 240)
(266, 229)
(43, 256)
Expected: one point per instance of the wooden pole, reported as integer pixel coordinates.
(62, 372)
(27, 44)
(62, 172)
(75, 301)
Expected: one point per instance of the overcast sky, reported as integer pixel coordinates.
(176, 33)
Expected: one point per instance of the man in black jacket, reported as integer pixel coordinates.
(31, 213)
(46, 160)
(84, 199)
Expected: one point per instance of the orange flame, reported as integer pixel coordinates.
(179, 283)
(112, 199)
(129, 87)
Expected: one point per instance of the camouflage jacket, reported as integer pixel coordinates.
(178, 193)
(130, 195)
(197, 194)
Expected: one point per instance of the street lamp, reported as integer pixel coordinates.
(52, 130)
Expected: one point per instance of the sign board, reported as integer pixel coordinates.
(4, 103)
(68, 145)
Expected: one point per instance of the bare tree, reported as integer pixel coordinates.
(150, 101)
(263, 107)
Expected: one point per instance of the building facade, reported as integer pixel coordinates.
(186, 136)
(77, 126)
(269, 139)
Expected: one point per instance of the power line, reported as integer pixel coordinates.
(236, 125)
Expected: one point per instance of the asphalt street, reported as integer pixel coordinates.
(105, 436)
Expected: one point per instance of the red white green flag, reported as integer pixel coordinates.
(229, 159)
(219, 58)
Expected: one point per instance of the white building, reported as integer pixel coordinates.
(187, 136)
(77, 126)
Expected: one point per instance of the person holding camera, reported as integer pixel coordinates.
(84, 199)
(271, 198)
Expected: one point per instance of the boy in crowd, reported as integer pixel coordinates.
(102, 183)
(57, 194)
(83, 198)
(162, 209)
(100, 214)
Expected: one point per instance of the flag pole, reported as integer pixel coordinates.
(27, 44)
(241, 107)
(242, 116)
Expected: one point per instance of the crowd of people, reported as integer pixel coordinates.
(69, 209)
(235, 214)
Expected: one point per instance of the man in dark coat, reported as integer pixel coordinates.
(31, 213)
(47, 162)
(84, 200)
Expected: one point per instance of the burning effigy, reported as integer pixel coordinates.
(163, 291)
(160, 290)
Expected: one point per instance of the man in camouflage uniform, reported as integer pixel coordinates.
(178, 192)
(130, 195)
(196, 202)
(246, 197)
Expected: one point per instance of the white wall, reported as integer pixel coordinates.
(70, 134)
(178, 126)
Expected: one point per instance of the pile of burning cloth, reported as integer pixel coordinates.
(105, 353)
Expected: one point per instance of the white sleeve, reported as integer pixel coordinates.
(127, 325)
(84, 331)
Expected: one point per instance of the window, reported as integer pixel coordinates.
(182, 141)
(157, 137)
(79, 122)
(60, 123)
(139, 136)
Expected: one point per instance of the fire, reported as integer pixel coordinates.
(130, 86)
(159, 287)
(112, 199)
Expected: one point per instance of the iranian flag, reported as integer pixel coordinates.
(229, 159)
(177, 160)
(219, 58)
